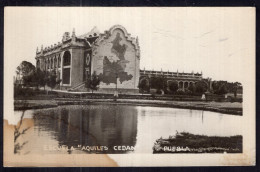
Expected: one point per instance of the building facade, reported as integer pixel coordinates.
(184, 80)
(114, 56)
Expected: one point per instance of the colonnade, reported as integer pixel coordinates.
(49, 63)
(182, 84)
(185, 84)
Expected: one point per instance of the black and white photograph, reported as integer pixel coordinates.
(129, 86)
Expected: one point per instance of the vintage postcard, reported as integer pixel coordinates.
(129, 86)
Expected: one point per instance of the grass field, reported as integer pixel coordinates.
(190, 143)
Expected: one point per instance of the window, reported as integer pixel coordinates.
(51, 63)
(59, 61)
(66, 58)
(55, 62)
(48, 64)
(66, 76)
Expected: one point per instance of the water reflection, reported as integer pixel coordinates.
(101, 127)
(90, 126)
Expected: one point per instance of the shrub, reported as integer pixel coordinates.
(19, 91)
(158, 92)
(200, 87)
(143, 86)
(92, 82)
(188, 92)
(222, 90)
(180, 92)
(173, 86)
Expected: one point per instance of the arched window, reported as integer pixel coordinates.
(66, 58)
(186, 84)
(180, 84)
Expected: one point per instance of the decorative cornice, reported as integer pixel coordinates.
(108, 33)
(72, 42)
(79, 43)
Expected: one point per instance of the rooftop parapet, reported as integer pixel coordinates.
(168, 73)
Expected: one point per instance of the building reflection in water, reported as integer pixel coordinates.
(90, 125)
(122, 125)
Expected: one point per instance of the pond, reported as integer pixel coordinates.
(114, 128)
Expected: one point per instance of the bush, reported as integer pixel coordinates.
(180, 92)
(200, 87)
(19, 91)
(234, 99)
(188, 92)
(143, 86)
(166, 91)
(222, 90)
(158, 92)
(192, 88)
(173, 86)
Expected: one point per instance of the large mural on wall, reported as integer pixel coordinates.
(115, 69)
(116, 59)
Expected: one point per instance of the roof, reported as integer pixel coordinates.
(94, 32)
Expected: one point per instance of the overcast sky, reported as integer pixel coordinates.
(217, 41)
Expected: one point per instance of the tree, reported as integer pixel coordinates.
(143, 85)
(25, 68)
(158, 83)
(180, 92)
(25, 71)
(187, 91)
(92, 82)
(215, 86)
(191, 88)
(234, 87)
(200, 87)
(41, 78)
(52, 79)
(173, 86)
(29, 80)
(222, 89)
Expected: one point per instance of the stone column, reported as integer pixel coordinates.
(210, 85)
(61, 67)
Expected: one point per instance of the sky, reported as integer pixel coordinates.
(219, 42)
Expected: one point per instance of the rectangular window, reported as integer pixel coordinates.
(66, 76)
(66, 62)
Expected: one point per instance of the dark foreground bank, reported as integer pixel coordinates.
(190, 143)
